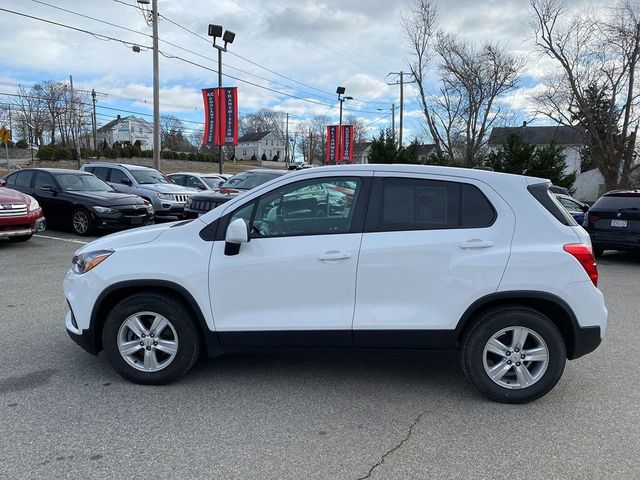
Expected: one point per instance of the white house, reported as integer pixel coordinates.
(588, 185)
(258, 143)
(126, 131)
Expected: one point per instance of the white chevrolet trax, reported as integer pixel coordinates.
(390, 257)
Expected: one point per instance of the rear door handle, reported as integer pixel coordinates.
(333, 255)
(477, 244)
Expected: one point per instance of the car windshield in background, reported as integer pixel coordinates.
(213, 182)
(77, 182)
(146, 177)
(247, 181)
(619, 201)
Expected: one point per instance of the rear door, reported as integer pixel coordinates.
(53, 203)
(432, 246)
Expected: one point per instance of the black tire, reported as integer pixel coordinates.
(21, 238)
(598, 251)
(492, 322)
(188, 337)
(78, 215)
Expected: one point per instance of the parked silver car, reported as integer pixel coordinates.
(199, 181)
(166, 197)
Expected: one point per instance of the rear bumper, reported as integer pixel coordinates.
(586, 340)
(615, 240)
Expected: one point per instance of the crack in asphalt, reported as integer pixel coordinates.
(399, 445)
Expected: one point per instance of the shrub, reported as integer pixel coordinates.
(22, 143)
(167, 154)
(183, 156)
(63, 153)
(46, 152)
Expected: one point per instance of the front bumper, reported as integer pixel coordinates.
(118, 220)
(83, 338)
(23, 226)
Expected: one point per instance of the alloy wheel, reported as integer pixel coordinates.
(80, 222)
(147, 341)
(515, 357)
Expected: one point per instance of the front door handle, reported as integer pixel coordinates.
(476, 244)
(334, 255)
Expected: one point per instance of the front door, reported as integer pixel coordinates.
(432, 246)
(294, 282)
(53, 203)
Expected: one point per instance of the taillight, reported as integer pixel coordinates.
(584, 255)
(591, 218)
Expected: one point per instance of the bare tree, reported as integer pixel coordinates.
(594, 85)
(461, 113)
(172, 134)
(263, 120)
(359, 127)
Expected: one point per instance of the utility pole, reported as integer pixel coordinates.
(401, 83)
(156, 87)
(74, 122)
(310, 147)
(93, 120)
(10, 128)
(393, 121)
(286, 143)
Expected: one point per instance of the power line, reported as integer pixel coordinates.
(167, 55)
(170, 43)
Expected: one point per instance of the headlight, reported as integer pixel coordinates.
(88, 261)
(105, 210)
(33, 204)
(165, 196)
(149, 207)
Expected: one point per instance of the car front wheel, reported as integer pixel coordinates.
(81, 222)
(150, 339)
(513, 354)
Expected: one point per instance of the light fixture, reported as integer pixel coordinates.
(215, 31)
(340, 90)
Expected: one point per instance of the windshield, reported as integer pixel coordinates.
(78, 182)
(146, 177)
(247, 180)
(213, 182)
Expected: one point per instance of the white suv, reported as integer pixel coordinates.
(420, 258)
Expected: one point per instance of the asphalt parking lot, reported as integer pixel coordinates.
(67, 414)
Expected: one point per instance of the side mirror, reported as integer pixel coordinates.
(3, 183)
(237, 232)
(126, 181)
(585, 208)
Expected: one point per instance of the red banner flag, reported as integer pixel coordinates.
(228, 99)
(211, 131)
(333, 145)
(346, 144)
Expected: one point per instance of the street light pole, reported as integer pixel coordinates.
(340, 91)
(215, 31)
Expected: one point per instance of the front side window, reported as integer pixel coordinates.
(116, 176)
(43, 179)
(311, 207)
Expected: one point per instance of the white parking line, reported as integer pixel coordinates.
(61, 239)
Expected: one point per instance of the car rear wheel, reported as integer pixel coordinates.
(513, 354)
(21, 238)
(81, 222)
(150, 339)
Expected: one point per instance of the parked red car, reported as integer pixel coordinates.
(20, 215)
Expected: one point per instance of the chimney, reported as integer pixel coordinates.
(118, 117)
(524, 124)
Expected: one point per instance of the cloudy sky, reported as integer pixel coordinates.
(288, 54)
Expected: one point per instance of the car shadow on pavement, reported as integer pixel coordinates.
(614, 257)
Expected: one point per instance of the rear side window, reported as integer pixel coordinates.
(411, 204)
(415, 204)
(23, 179)
(617, 202)
(11, 179)
(100, 172)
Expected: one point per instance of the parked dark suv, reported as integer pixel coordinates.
(614, 221)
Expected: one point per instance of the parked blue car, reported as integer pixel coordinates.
(576, 208)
